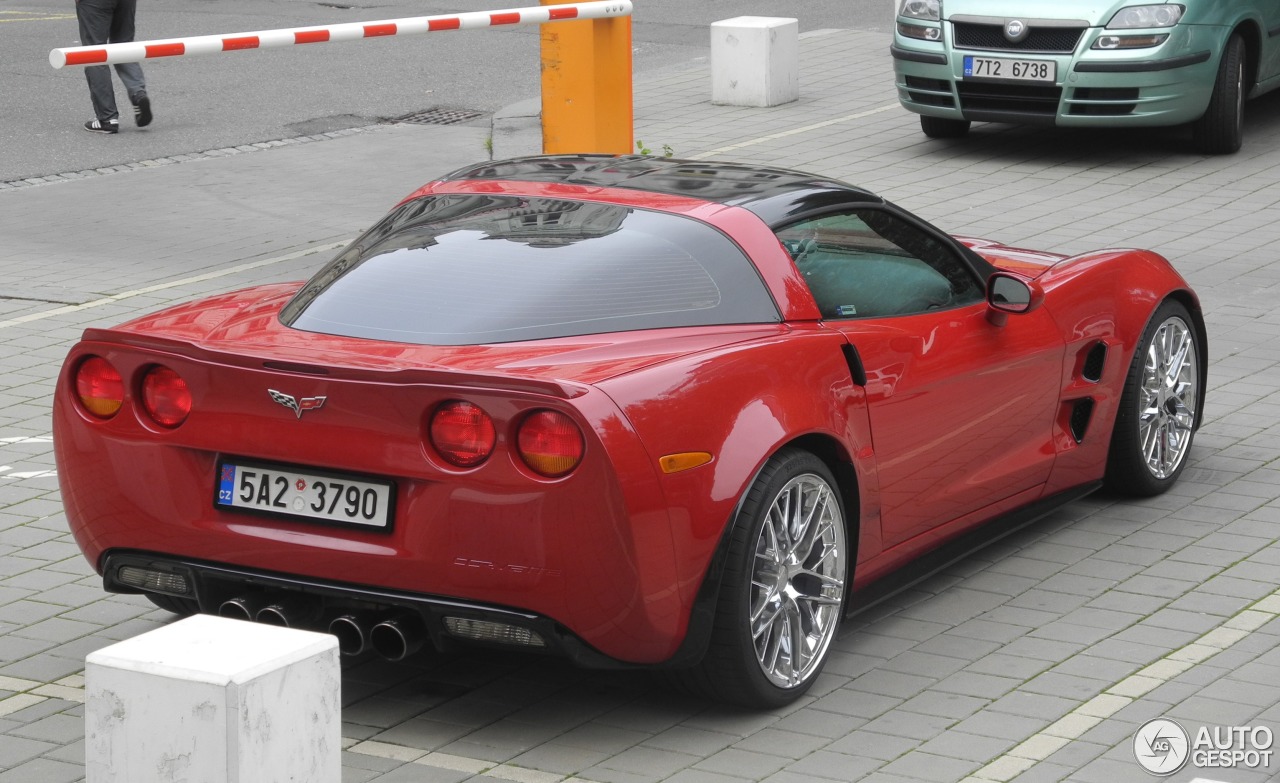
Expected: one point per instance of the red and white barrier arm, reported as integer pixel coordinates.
(137, 51)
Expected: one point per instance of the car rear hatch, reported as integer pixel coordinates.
(308, 407)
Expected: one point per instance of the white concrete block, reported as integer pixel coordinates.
(212, 700)
(755, 61)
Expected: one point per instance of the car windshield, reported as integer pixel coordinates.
(470, 269)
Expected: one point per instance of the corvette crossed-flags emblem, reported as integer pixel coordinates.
(298, 406)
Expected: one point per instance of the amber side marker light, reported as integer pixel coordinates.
(165, 397)
(462, 433)
(674, 463)
(550, 443)
(99, 387)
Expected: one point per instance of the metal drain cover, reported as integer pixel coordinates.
(440, 117)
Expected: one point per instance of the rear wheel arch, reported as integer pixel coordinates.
(840, 463)
(838, 460)
(755, 632)
(836, 457)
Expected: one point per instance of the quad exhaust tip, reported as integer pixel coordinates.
(352, 630)
(290, 612)
(394, 637)
(398, 637)
(282, 611)
(244, 607)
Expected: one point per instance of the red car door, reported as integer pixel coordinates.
(961, 409)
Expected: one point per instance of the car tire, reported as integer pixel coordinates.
(943, 127)
(1160, 406)
(1221, 130)
(783, 591)
(183, 607)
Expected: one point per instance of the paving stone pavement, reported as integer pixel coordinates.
(1035, 659)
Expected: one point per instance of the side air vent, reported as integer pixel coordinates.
(857, 371)
(1081, 413)
(1094, 361)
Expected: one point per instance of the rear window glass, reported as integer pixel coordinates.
(463, 270)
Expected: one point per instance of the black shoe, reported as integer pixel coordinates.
(97, 126)
(142, 111)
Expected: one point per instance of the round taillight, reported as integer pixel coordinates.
(462, 433)
(550, 443)
(99, 387)
(165, 397)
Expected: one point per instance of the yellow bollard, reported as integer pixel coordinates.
(586, 86)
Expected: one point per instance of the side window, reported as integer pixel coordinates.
(867, 263)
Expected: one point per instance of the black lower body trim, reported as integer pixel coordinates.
(917, 57)
(963, 546)
(215, 583)
(1144, 67)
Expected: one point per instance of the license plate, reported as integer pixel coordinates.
(300, 493)
(1008, 68)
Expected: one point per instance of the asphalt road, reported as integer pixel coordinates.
(217, 101)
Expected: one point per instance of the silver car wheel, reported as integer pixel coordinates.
(797, 580)
(1169, 394)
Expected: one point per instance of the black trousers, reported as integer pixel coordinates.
(103, 22)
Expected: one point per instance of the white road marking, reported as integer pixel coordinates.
(43, 314)
(28, 474)
(1120, 695)
(794, 131)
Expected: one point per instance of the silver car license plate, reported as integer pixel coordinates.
(1010, 68)
(321, 496)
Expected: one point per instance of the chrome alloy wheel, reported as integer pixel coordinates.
(797, 580)
(1168, 399)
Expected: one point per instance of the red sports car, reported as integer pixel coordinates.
(630, 410)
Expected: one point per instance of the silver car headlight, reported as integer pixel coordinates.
(927, 10)
(1145, 16)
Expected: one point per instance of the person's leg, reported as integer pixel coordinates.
(122, 20)
(95, 28)
(122, 31)
(131, 76)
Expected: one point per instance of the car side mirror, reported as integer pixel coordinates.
(1008, 294)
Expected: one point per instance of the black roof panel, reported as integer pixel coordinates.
(736, 184)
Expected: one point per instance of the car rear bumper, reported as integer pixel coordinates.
(1165, 85)
(592, 551)
(314, 604)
